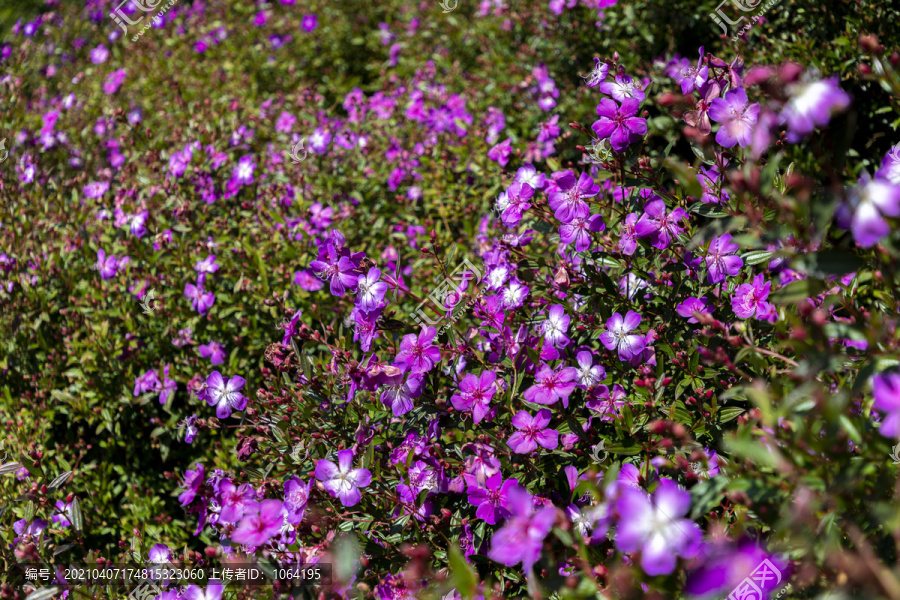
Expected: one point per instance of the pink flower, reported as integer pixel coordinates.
(341, 480)
(737, 117)
(418, 353)
(260, 523)
(532, 431)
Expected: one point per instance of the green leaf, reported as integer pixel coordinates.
(757, 256)
(798, 291)
(462, 574)
(730, 414)
(43, 593)
(77, 517)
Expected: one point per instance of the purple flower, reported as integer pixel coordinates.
(193, 479)
(207, 265)
(869, 203)
(224, 396)
(296, 496)
(309, 22)
(622, 89)
(886, 388)
(522, 536)
(550, 386)
(597, 74)
(661, 227)
(190, 429)
(259, 524)
(588, 374)
(619, 123)
(567, 201)
(107, 265)
(235, 500)
(490, 498)
(137, 223)
(418, 353)
(213, 591)
(114, 81)
(532, 431)
(690, 306)
(578, 231)
(628, 240)
(737, 117)
(500, 152)
(655, 526)
(243, 171)
(99, 54)
(148, 382)
(749, 299)
(339, 268)
(692, 78)
(64, 515)
(343, 481)
(890, 166)
(517, 196)
(214, 351)
(96, 189)
(159, 554)
(399, 391)
(720, 259)
(475, 394)
(610, 402)
(811, 105)
(369, 291)
(618, 338)
(201, 300)
(555, 326)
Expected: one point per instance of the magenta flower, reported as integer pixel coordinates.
(63, 516)
(296, 497)
(96, 189)
(500, 152)
(660, 226)
(720, 259)
(201, 300)
(369, 291)
(550, 386)
(699, 117)
(224, 396)
(490, 498)
(261, 522)
(750, 298)
(886, 388)
(619, 338)
(234, 500)
(579, 231)
(655, 526)
(309, 22)
(341, 480)
(608, 402)
(890, 166)
(114, 81)
(107, 265)
(190, 429)
(214, 351)
(522, 536)
(475, 394)
(693, 305)
(619, 123)
(532, 431)
(737, 117)
(213, 591)
(99, 54)
(418, 353)
(811, 106)
(568, 201)
(148, 382)
(517, 202)
(555, 326)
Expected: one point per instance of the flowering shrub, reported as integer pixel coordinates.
(385, 312)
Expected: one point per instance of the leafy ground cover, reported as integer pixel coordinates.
(475, 300)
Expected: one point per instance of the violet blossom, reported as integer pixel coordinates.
(341, 480)
(225, 396)
(737, 117)
(550, 386)
(522, 536)
(475, 394)
(619, 338)
(720, 259)
(620, 124)
(531, 432)
(419, 353)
